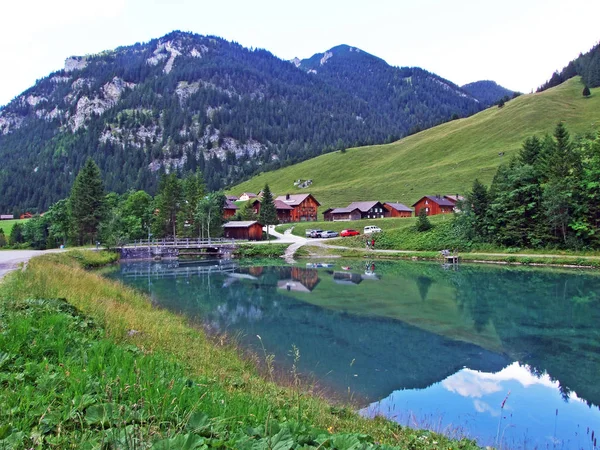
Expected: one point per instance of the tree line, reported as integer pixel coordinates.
(182, 208)
(546, 196)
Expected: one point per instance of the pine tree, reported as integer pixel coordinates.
(586, 92)
(87, 202)
(268, 213)
(168, 203)
(423, 223)
(479, 200)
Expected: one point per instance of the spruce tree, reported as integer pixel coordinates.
(168, 203)
(87, 202)
(479, 200)
(586, 92)
(423, 223)
(268, 213)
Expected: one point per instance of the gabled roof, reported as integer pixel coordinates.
(295, 199)
(362, 206)
(249, 194)
(398, 206)
(454, 198)
(278, 204)
(230, 205)
(439, 200)
(282, 205)
(232, 198)
(343, 210)
(239, 224)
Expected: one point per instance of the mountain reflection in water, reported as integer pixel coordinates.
(428, 341)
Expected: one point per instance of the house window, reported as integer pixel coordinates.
(427, 202)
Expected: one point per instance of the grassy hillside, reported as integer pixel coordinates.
(445, 159)
(7, 225)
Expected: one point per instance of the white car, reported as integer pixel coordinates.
(371, 229)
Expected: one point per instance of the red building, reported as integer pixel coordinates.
(284, 211)
(304, 206)
(230, 209)
(249, 230)
(434, 205)
(397, 210)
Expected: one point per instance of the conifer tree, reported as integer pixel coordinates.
(168, 203)
(423, 223)
(586, 92)
(87, 202)
(268, 213)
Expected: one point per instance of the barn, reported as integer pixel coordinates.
(249, 230)
(434, 204)
(397, 210)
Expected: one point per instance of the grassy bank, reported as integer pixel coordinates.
(103, 368)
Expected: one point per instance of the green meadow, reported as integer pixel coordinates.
(441, 160)
(7, 225)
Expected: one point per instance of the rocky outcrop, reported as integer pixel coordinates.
(109, 96)
(75, 63)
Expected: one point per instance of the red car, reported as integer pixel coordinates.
(345, 233)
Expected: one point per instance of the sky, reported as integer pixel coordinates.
(517, 43)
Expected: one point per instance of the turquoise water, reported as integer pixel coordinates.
(507, 356)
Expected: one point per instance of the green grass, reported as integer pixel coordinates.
(7, 225)
(442, 160)
(103, 368)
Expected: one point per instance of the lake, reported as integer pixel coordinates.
(504, 355)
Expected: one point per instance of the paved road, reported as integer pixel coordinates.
(10, 259)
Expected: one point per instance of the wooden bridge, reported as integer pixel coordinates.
(173, 248)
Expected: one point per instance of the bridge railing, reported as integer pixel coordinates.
(181, 242)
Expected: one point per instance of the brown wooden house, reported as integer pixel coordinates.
(284, 211)
(340, 214)
(230, 209)
(397, 210)
(249, 230)
(434, 204)
(304, 206)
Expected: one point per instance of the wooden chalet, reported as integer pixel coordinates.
(230, 209)
(304, 206)
(284, 211)
(249, 230)
(397, 210)
(434, 204)
(340, 214)
(369, 210)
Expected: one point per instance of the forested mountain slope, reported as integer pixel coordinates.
(186, 101)
(488, 92)
(442, 160)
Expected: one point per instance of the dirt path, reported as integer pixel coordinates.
(10, 259)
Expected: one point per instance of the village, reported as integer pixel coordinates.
(292, 208)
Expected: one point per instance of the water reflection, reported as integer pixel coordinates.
(513, 407)
(448, 344)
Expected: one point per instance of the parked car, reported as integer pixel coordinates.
(372, 229)
(329, 234)
(308, 232)
(316, 233)
(346, 233)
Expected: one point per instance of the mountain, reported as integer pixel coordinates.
(441, 160)
(586, 65)
(190, 102)
(488, 92)
(403, 94)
